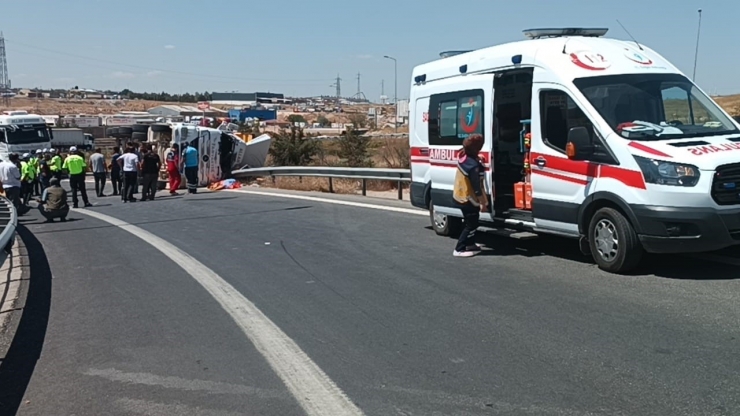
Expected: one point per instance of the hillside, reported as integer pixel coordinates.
(730, 103)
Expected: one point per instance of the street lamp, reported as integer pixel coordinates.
(395, 90)
(696, 53)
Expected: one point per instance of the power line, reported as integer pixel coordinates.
(160, 69)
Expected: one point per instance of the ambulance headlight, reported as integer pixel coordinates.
(660, 172)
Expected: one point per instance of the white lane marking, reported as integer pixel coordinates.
(334, 201)
(316, 393)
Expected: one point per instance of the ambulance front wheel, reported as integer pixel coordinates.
(614, 244)
(444, 225)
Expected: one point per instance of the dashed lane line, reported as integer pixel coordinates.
(316, 393)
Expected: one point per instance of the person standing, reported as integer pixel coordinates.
(45, 173)
(115, 171)
(469, 195)
(150, 165)
(35, 161)
(28, 176)
(53, 202)
(10, 177)
(173, 168)
(190, 156)
(129, 165)
(75, 165)
(100, 172)
(56, 164)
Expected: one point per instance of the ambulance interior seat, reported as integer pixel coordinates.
(506, 170)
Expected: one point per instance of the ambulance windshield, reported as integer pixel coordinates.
(655, 106)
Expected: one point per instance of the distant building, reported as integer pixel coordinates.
(248, 98)
(184, 111)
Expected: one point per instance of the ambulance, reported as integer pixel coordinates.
(21, 133)
(597, 139)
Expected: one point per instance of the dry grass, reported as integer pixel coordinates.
(730, 103)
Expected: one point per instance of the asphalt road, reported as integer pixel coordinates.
(377, 302)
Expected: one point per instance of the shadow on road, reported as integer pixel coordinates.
(682, 267)
(19, 363)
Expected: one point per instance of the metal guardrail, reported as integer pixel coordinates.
(8, 222)
(364, 174)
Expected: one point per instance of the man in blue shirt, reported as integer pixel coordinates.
(190, 159)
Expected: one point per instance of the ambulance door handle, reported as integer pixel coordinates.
(540, 161)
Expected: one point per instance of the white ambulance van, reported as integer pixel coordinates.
(585, 137)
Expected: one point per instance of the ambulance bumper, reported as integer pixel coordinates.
(686, 230)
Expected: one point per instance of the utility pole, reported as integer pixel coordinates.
(358, 84)
(338, 85)
(395, 90)
(382, 87)
(696, 53)
(4, 77)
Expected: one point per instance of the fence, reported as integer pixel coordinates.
(8, 222)
(363, 174)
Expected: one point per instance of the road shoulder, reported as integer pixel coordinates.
(14, 278)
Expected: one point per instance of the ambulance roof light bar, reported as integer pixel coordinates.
(447, 54)
(567, 31)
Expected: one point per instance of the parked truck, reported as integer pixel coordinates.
(65, 138)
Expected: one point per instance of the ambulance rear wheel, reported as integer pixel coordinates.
(614, 244)
(444, 225)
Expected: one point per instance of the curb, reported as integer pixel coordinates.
(14, 275)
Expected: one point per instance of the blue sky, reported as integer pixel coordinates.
(298, 47)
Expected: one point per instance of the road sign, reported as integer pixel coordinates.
(204, 105)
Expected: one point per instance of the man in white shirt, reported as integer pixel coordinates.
(130, 166)
(10, 177)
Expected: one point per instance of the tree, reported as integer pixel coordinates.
(358, 120)
(323, 121)
(292, 148)
(354, 149)
(296, 118)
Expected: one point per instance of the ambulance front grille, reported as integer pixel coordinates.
(726, 185)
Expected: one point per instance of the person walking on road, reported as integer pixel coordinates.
(150, 166)
(173, 168)
(115, 172)
(129, 163)
(28, 176)
(56, 164)
(100, 172)
(75, 165)
(190, 156)
(53, 202)
(469, 194)
(10, 177)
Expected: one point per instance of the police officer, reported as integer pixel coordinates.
(28, 175)
(35, 159)
(56, 163)
(75, 165)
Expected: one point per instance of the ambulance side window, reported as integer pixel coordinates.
(453, 116)
(559, 113)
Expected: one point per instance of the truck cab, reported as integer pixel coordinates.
(21, 132)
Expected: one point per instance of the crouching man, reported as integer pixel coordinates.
(53, 202)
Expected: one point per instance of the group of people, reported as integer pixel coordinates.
(144, 162)
(39, 174)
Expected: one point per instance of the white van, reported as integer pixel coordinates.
(585, 137)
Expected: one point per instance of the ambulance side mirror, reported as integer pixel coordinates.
(579, 145)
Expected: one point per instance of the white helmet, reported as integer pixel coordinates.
(45, 150)
(26, 156)
(72, 149)
(38, 151)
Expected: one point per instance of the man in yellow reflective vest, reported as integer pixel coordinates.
(28, 175)
(56, 164)
(75, 165)
(35, 161)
